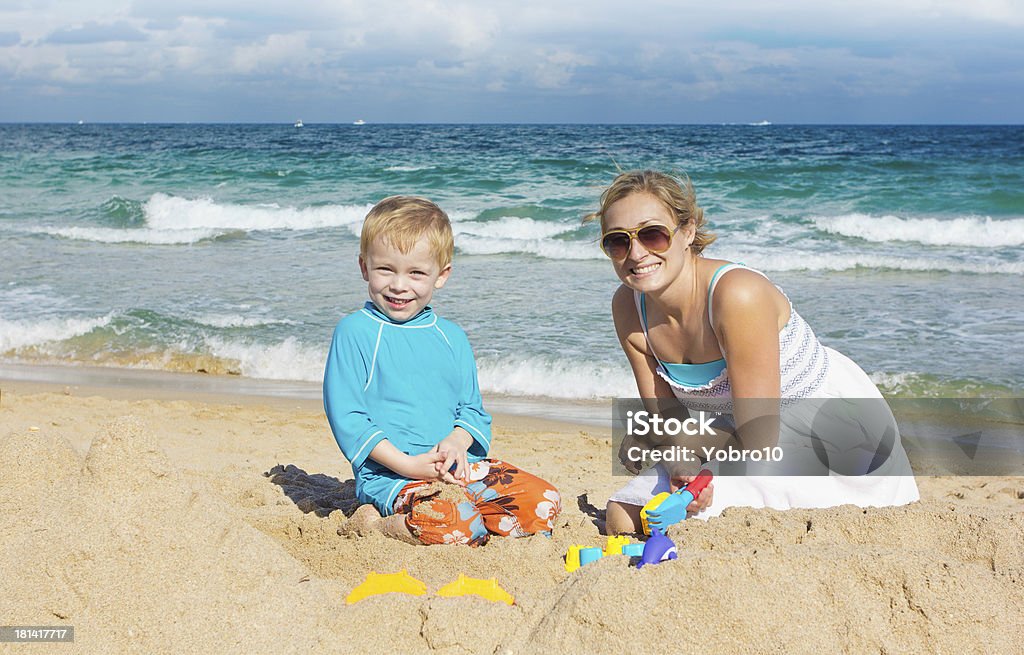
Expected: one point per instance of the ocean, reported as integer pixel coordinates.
(231, 249)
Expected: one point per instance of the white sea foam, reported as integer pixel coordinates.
(513, 228)
(285, 360)
(19, 334)
(405, 168)
(171, 220)
(532, 376)
(17, 300)
(136, 235)
(547, 248)
(891, 381)
(968, 231)
(518, 235)
(237, 320)
(789, 259)
(555, 378)
(164, 212)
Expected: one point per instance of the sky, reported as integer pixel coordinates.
(505, 61)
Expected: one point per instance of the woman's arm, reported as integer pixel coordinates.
(631, 337)
(655, 392)
(748, 311)
(652, 388)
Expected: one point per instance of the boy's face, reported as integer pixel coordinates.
(402, 284)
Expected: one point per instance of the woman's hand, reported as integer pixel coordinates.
(630, 441)
(679, 477)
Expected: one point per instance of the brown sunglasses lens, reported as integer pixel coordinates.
(616, 244)
(655, 238)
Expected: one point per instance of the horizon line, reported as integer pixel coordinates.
(523, 123)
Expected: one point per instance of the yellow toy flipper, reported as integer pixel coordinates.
(376, 584)
(572, 558)
(651, 504)
(489, 589)
(615, 544)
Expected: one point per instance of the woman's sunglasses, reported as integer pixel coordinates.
(655, 238)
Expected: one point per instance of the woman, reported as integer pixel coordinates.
(707, 331)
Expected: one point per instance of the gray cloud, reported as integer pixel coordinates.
(93, 32)
(9, 39)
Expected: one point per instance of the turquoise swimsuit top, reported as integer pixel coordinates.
(688, 375)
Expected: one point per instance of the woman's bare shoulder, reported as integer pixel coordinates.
(623, 300)
(743, 291)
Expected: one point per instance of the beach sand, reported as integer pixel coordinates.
(182, 522)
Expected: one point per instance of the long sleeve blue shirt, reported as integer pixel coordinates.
(411, 383)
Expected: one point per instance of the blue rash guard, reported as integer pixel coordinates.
(411, 383)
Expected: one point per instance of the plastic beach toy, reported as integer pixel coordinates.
(487, 589)
(579, 555)
(666, 509)
(615, 544)
(633, 550)
(572, 558)
(588, 555)
(376, 584)
(658, 548)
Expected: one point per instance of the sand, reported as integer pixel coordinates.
(210, 524)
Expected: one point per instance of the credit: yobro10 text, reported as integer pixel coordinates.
(653, 426)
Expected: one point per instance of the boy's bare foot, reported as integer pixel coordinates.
(366, 520)
(361, 522)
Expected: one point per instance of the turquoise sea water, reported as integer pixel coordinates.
(232, 248)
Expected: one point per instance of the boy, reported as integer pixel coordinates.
(401, 395)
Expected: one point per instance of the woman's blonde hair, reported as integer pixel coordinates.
(401, 221)
(676, 193)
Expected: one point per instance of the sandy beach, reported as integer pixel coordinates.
(169, 520)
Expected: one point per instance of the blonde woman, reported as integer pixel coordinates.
(716, 334)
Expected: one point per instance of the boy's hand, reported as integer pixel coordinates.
(454, 448)
(421, 467)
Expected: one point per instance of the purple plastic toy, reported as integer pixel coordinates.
(657, 549)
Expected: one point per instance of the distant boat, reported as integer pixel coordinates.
(760, 123)
(359, 121)
(81, 122)
(298, 123)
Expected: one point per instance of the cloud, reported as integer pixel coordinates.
(93, 32)
(276, 52)
(466, 60)
(556, 69)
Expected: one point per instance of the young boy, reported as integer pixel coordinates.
(401, 395)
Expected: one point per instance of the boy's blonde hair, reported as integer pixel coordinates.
(676, 193)
(401, 221)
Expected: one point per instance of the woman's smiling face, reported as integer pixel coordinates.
(643, 269)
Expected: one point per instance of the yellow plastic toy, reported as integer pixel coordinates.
(488, 589)
(376, 584)
(574, 559)
(615, 544)
(651, 504)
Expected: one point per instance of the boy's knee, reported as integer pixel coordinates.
(446, 522)
(548, 504)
